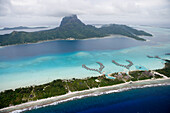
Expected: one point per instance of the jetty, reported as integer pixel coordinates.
(159, 57)
(167, 53)
(153, 57)
(91, 69)
(126, 66)
(150, 56)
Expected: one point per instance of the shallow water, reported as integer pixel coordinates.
(32, 64)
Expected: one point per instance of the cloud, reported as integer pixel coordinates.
(113, 10)
(4, 7)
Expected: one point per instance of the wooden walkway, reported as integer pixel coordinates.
(126, 66)
(91, 69)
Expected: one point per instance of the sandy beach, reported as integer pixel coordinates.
(86, 93)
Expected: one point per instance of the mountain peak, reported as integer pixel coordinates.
(70, 20)
(73, 16)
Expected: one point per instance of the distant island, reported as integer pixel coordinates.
(71, 27)
(21, 27)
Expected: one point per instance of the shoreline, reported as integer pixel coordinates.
(93, 38)
(86, 93)
(45, 82)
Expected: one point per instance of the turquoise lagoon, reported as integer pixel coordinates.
(33, 64)
(142, 68)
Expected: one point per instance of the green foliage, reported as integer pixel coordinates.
(158, 76)
(135, 75)
(54, 88)
(140, 75)
(106, 82)
(77, 85)
(10, 97)
(123, 30)
(21, 95)
(70, 27)
(57, 87)
(166, 70)
(92, 83)
(60, 87)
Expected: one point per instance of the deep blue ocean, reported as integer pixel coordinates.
(144, 100)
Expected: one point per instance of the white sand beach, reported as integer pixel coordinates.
(86, 93)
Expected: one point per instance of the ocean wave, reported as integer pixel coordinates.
(89, 95)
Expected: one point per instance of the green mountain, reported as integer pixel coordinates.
(70, 26)
(21, 27)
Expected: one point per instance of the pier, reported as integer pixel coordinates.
(150, 56)
(91, 69)
(126, 66)
(154, 57)
(159, 58)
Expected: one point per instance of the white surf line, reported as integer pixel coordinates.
(75, 95)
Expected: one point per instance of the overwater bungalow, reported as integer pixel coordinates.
(91, 69)
(126, 66)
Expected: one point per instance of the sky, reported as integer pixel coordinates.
(50, 12)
